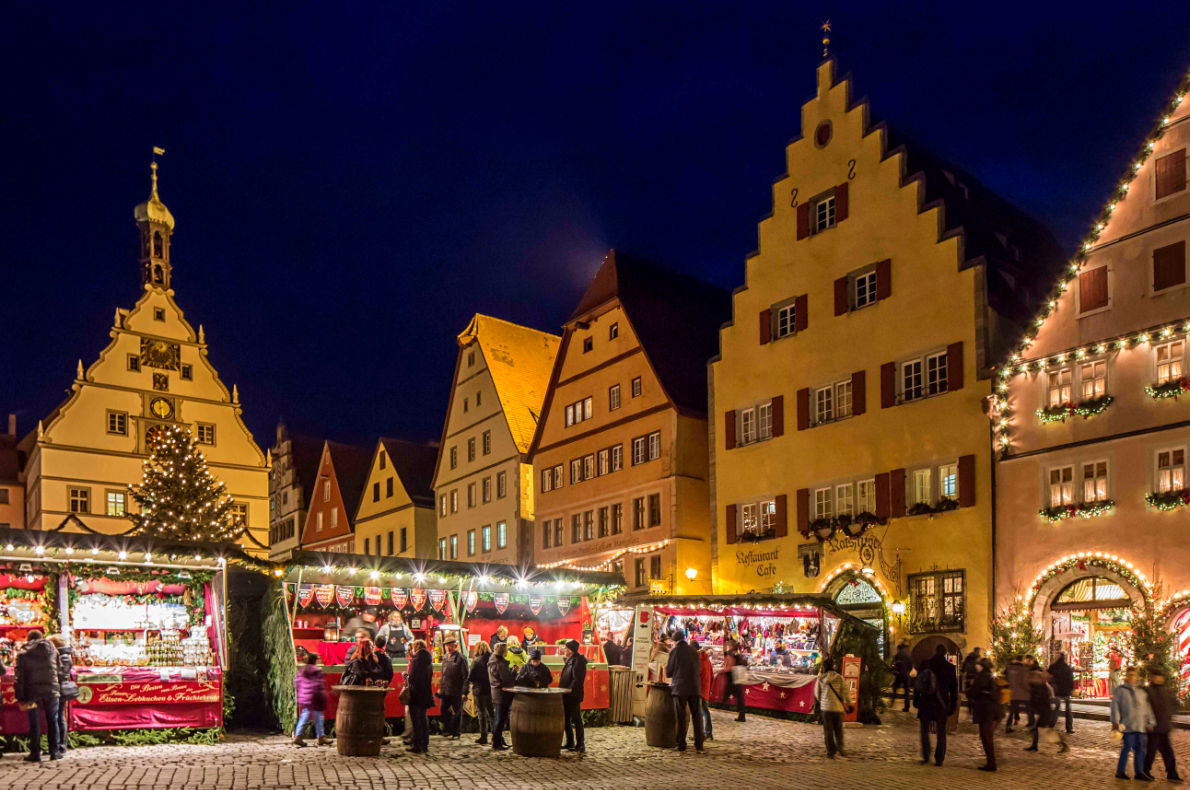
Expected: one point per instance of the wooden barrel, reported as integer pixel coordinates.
(359, 721)
(661, 728)
(537, 724)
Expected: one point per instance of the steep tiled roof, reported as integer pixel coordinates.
(414, 465)
(520, 360)
(675, 316)
(351, 464)
(10, 459)
(307, 453)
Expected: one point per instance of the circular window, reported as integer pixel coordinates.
(822, 135)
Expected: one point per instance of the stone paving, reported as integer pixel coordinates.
(764, 753)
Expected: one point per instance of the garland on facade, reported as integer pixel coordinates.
(1084, 409)
(943, 505)
(1013, 635)
(852, 526)
(1089, 560)
(1170, 389)
(1080, 509)
(1168, 500)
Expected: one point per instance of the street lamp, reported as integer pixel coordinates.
(691, 573)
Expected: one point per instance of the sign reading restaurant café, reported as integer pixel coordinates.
(763, 562)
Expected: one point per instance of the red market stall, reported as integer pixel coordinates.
(27, 596)
(330, 596)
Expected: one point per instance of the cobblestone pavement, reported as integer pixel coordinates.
(764, 753)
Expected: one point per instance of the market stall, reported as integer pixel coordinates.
(331, 595)
(781, 637)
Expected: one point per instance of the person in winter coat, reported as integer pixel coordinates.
(935, 695)
(983, 695)
(1041, 705)
(1131, 714)
(452, 687)
(1017, 675)
(573, 679)
(611, 651)
(68, 689)
(499, 636)
(37, 691)
(419, 679)
(1063, 681)
(517, 657)
(364, 668)
(501, 677)
(902, 670)
(1163, 700)
(968, 669)
(625, 657)
(686, 688)
(311, 700)
(732, 658)
(481, 689)
(386, 663)
(397, 636)
(831, 693)
(535, 674)
(707, 678)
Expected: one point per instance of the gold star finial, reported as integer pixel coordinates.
(826, 39)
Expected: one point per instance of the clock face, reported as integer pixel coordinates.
(161, 408)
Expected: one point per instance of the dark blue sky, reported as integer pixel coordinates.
(351, 185)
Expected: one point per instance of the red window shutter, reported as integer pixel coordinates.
(888, 385)
(779, 415)
(766, 326)
(1092, 289)
(803, 408)
(729, 429)
(882, 503)
(896, 493)
(954, 367)
(859, 392)
(1169, 266)
(781, 527)
(840, 202)
(841, 301)
(1171, 173)
(803, 511)
(801, 315)
(803, 221)
(966, 480)
(729, 523)
(884, 279)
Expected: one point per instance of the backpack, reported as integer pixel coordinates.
(926, 686)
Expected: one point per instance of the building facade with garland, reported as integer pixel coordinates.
(154, 371)
(849, 450)
(1091, 420)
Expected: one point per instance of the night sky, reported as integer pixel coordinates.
(351, 186)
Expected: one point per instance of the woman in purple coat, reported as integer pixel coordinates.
(311, 698)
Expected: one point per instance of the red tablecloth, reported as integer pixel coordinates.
(769, 696)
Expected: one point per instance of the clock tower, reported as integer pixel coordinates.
(153, 372)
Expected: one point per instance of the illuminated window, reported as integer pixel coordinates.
(117, 502)
(613, 397)
(501, 485)
(1095, 481)
(1171, 470)
(486, 490)
(1058, 387)
(1061, 486)
(1169, 361)
(547, 480)
(921, 486)
(501, 535)
(454, 547)
(822, 503)
(948, 481)
(1093, 377)
(454, 500)
(486, 533)
(442, 548)
(865, 496)
(845, 499)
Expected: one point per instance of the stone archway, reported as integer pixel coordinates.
(861, 595)
(1081, 568)
(926, 648)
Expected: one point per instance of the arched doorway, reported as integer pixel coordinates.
(1085, 610)
(858, 595)
(926, 648)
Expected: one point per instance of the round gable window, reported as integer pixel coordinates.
(822, 135)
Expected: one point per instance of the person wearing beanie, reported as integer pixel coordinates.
(535, 674)
(452, 687)
(573, 677)
(685, 679)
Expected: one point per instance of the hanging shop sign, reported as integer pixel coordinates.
(500, 601)
(373, 595)
(305, 594)
(344, 594)
(399, 596)
(563, 605)
(324, 594)
(472, 600)
(437, 597)
(535, 602)
(417, 597)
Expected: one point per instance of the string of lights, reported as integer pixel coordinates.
(610, 561)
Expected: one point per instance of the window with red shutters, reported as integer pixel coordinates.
(801, 315)
(803, 220)
(779, 415)
(729, 523)
(896, 493)
(803, 408)
(882, 499)
(954, 367)
(766, 326)
(859, 392)
(841, 299)
(1171, 173)
(884, 279)
(888, 385)
(841, 202)
(1092, 289)
(966, 480)
(1169, 266)
(803, 511)
(729, 429)
(781, 517)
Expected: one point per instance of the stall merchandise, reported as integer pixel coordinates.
(27, 596)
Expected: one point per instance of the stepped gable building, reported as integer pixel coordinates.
(483, 480)
(295, 459)
(395, 517)
(154, 371)
(342, 470)
(1092, 424)
(850, 453)
(621, 450)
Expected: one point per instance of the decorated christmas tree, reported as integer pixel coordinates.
(1152, 642)
(1013, 634)
(179, 498)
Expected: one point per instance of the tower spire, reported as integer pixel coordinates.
(156, 225)
(826, 42)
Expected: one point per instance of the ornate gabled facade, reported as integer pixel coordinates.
(83, 456)
(1092, 423)
(849, 449)
(291, 481)
(395, 517)
(483, 481)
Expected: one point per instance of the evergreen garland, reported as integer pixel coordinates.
(1013, 635)
(178, 497)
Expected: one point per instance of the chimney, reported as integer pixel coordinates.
(12, 425)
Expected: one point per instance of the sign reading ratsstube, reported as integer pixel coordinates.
(763, 562)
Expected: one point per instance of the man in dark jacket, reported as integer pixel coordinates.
(935, 695)
(902, 669)
(481, 687)
(1163, 702)
(573, 677)
(452, 687)
(69, 690)
(535, 674)
(983, 695)
(501, 676)
(685, 681)
(1063, 682)
(419, 679)
(968, 669)
(37, 692)
(386, 663)
(611, 651)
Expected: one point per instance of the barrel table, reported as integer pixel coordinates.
(661, 727)
(359, 721)
(537, 721)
